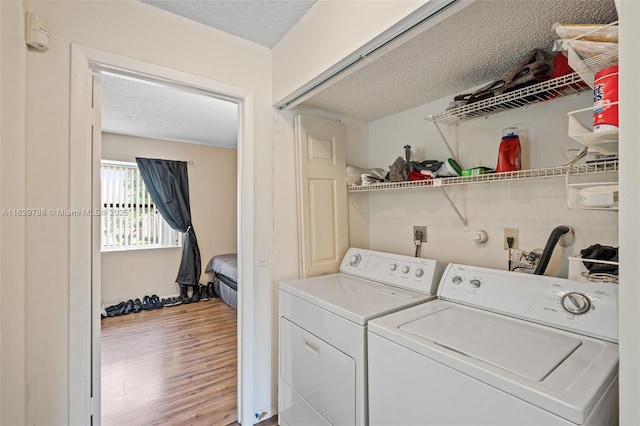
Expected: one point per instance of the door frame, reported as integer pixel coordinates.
(84, 300)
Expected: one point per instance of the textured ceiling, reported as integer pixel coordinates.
(262, 21)
(474, 46)
(140, 108)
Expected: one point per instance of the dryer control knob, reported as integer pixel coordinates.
(456, 280)
(405, 269)
(355, 259)
(393, 266)
(475, 283)
(419, 273)
(576, 303)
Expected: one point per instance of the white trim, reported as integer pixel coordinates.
(96, 255)
(245, 258)
(80, 240)
(628, 226)
(84, 60)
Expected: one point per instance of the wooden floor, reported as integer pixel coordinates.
(170, 366)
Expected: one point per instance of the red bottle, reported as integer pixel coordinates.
(509, 159)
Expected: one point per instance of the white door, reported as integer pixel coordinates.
(322, 194)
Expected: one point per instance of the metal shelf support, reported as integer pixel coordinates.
(455, 208)
(446, 142)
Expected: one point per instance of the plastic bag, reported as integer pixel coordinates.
(585, 49)
(589, 32)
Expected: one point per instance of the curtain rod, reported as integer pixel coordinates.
(132, 159)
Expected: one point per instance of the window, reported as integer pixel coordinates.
(129, 218)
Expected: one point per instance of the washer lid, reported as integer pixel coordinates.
(527, 351)
(575, 370)
(353, 298)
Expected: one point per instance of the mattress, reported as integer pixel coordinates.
(225, 291)
(225, 280)
(225, 264)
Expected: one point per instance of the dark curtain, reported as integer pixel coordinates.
(168, 183)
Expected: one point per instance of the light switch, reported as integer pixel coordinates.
(263, 256)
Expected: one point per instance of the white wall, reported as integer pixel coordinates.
(329, 32)
(534, 207)
(135, 30)
(213, 196)
(13, 288)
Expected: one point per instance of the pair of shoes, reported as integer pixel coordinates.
(171, 301)
(124, 308)
(204, 292)
(147, 304)
(112, 311)
(155, 300)
(151, 302)
(184, 296)
(532, 68)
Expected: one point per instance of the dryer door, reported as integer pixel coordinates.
(321, 374)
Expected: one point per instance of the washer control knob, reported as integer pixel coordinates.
(405, 269)
(393, 266)
(355, 260)
(576, 303)
(419, 273)
(475, 283)
(456, 280)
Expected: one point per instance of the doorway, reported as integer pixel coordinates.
(84, 333)
(165, 358)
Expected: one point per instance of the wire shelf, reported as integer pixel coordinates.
(551, 89)
(588, 68)
(548, 172)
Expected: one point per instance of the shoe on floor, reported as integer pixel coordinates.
(137, 306)
(120, 307)
(171, 301)
(147, 304)
(204, 292)
(212, 291)
(112, 311)
(156, 302)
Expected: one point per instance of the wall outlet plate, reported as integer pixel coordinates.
(511, 233)
(424, 233)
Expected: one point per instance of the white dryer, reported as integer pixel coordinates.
(498, 348)
(323, 333)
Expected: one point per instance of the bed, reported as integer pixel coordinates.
(225, 277)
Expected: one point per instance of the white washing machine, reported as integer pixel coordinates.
(498, 348)
(323, 333)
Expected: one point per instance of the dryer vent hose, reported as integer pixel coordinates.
(556, 234)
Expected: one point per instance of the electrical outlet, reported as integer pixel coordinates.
(511, 233)
(424, 233)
